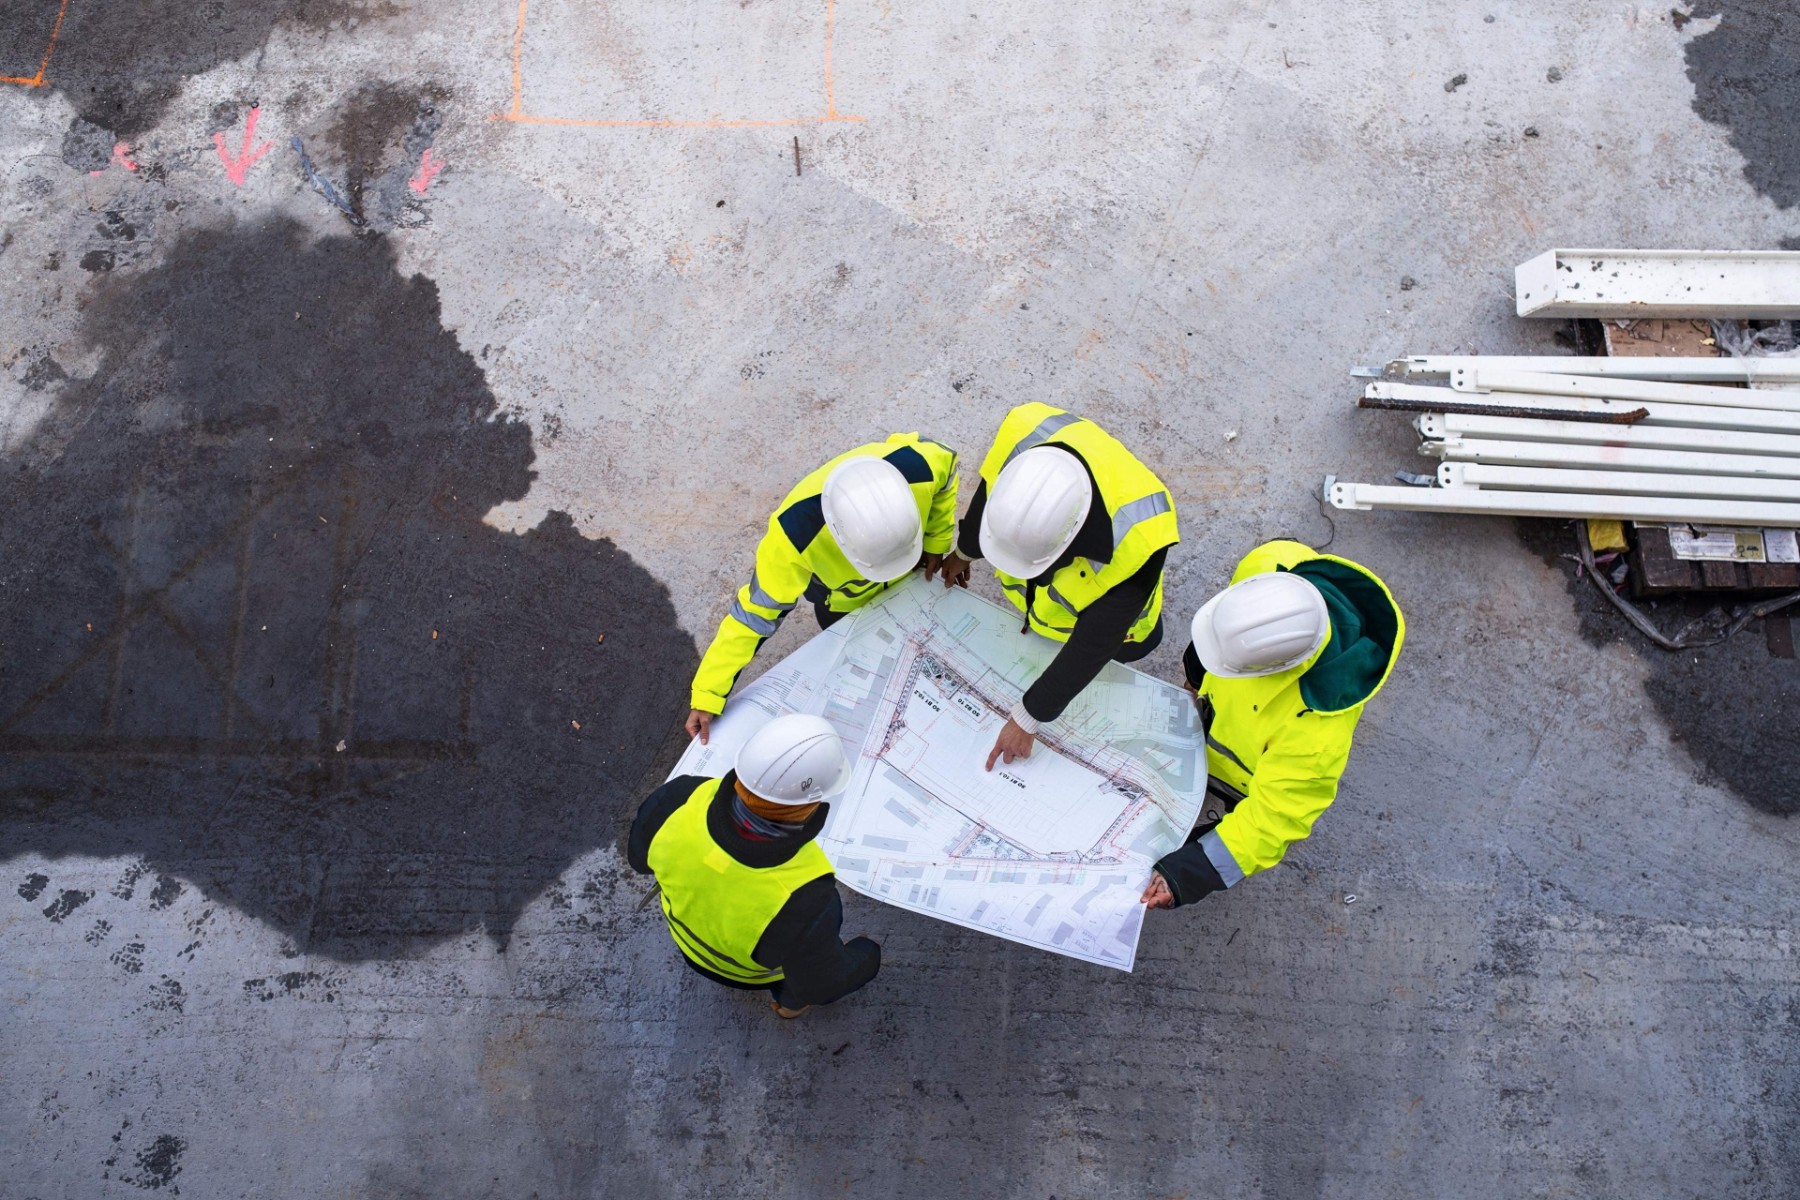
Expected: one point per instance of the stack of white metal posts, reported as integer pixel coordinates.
(1698, 440)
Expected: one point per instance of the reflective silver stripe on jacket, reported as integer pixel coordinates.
(1046, 429)
(858, 587)
(760, 597)
(1059, 598)
(762, 625)
(1213, 743)
(750, 974)
(944, 448)
(1221, 859)
(1137, 512)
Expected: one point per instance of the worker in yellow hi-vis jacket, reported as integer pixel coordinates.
(1078, 530)
(1282, 663)
(841, 537)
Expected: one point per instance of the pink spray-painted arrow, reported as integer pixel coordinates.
(428, 171)
(237, 169)
(121, 158)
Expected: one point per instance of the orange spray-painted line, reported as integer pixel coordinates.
(519, 115)
(518, 53)
(44, 66)
(830, 91)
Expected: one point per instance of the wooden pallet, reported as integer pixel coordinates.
(1655, 571)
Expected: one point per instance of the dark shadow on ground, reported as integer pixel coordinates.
(1731, 707)
(254, 630)
(120, 62)
(1746, 76)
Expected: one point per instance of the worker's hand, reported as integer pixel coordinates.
(1157, 893)
(955, 569)
(1013, 742)
(699, 724)
(931, 562)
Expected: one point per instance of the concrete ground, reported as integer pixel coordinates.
(325, 466)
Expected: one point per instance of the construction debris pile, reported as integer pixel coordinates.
(1626, 439)
(1679, 465)
(1703, 451)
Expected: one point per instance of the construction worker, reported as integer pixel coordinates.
(840, 538)
(1077, 529)
(1281, 665)
(748, 895)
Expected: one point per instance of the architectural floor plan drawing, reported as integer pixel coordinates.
(1052, 850)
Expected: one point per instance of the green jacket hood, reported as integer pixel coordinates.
(1367, 628)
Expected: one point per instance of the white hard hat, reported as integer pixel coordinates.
(1034, 510)
(871, 512)
(1260, 626)
(794, 759)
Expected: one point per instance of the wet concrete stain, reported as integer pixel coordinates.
(300, 985)
(1746, 77)
(87, 147)
(1729, 706)
(166, 995)
(42, 375)
(126, 888)
(67, 903)
(33, 887)
(316, 686)
(376, 140)
(159, 1164)
(120, 65)
(167, 891)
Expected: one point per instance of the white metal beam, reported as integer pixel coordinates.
(1628, 483)
(1659, 283)
(1696, 416)
(1737, 370)
(1365, 496)
(1653, 391)
(1519, 429)
(1604, 458)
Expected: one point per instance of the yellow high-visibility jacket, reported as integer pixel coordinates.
(1282, 741)
(717, 908)
(798, 550)
(1141, 510)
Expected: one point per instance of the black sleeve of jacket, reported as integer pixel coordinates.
(968, 534)
(1189, 873)
(1099, 634)
(1190, 666)
(803, 941)
(651, 814)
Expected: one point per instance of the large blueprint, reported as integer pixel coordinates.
(1053, 850)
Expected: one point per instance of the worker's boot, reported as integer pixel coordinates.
(788, 1014)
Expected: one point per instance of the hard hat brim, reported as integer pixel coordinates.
(1022, 568)
(994, 547)
(893, 568)
(1206, 641)
(1212, 655)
